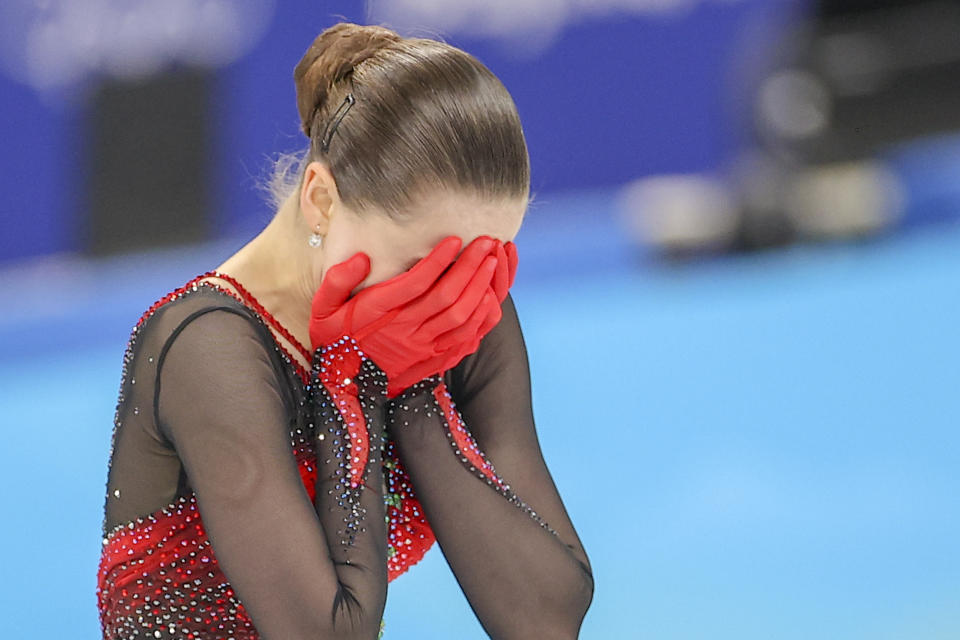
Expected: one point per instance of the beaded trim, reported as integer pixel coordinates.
(247, 299)
(466, 448)
(439, 401)
(403, 511)
(193, 285)
(259, 308)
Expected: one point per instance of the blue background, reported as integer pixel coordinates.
(750, 447)
(613, 99)
(759, 447)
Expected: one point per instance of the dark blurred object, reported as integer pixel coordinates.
(149, 170)
(855, 79)
(847, 84)
(863, 75)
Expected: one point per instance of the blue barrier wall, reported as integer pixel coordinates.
(614, 97)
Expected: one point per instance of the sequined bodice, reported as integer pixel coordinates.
(293, 470)
(158, 574)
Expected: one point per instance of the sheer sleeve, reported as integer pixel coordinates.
(222, 405)
(473, 457)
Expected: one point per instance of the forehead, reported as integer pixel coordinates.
(445, 214)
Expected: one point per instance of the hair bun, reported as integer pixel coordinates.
(332, 57)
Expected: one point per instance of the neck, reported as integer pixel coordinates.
(276, 267)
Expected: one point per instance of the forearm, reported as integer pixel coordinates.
(421, 321)
(356, 537)
(349, 411)
(521, 579)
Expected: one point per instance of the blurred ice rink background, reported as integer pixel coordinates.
(738, 282)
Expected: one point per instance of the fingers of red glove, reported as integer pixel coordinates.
(466, 338)
(511, 251)
(463, 340)
(451, 285)
(414, 282)
(486, 317)
(501, 278)
(492, 320)
(462, 309)
(338, 282)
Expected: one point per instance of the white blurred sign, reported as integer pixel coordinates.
(51, 44)
(529, 26)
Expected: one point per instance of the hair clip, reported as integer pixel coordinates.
(332, 125)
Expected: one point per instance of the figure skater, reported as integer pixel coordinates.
(296, 427)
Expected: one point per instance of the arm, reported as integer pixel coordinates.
(297, 570)
(497, 514)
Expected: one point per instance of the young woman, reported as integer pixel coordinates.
(296, 427)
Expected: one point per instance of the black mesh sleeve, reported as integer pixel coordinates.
(475, 462)
(297, 569)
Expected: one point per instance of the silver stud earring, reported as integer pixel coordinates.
(316, 240)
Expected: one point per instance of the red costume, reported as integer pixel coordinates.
(289, 466)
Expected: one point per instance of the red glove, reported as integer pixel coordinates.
(425, 314)
(506, 269)
(464, 338)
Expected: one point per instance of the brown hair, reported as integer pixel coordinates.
(426, 116)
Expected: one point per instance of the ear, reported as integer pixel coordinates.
(318, 194)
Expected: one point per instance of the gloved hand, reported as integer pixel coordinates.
(506, 269)
(422, 321)
(464, 338)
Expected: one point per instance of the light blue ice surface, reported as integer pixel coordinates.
(750, 447)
